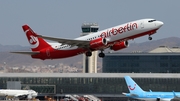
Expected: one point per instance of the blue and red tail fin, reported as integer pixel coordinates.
(35, 42)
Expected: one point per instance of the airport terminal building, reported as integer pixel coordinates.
(159, 60)
(106, 86)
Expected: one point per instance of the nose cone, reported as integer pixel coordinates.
(35, 94)
(159, 23)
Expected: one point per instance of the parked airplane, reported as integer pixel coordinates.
(115, 38)
(27, 94)
(137, 93)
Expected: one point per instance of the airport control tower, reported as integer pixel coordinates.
(89, 63)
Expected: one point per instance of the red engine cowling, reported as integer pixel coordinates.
(98, 43)
(119, 45)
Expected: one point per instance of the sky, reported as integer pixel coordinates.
(63, 18)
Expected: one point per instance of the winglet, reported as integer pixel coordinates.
(174, 94)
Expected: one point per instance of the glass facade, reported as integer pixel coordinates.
(141, 63)
(89, 29)
(91, 85)
(45, 89)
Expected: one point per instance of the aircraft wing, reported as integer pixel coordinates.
(26, 52)
(72, 42)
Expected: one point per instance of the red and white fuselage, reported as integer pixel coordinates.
(115, 38)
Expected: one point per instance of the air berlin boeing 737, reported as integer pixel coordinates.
(115, 38)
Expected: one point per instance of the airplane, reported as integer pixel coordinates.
(115, 38)
(13, 93)
(137, 93)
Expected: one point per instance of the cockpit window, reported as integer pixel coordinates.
(151, 20)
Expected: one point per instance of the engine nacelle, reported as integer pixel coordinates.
(97, 43)
(119, 45)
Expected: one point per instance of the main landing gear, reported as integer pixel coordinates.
(89, 53)
(101, 54)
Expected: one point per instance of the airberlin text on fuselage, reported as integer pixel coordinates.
(120, 30)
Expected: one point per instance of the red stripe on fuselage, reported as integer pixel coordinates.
(57, 54)
(142, 34)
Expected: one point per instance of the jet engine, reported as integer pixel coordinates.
(97, 43)
(119, 45)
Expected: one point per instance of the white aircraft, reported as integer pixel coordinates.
(27, 94)
(115, 38)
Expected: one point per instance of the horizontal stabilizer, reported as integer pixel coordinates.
(124, 93)
(130, 94)
(26, 52)
(134, 95)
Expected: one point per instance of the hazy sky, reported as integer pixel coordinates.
(63, 18)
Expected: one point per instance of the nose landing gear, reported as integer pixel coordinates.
(150, 38)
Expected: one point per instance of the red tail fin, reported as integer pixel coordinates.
(36, 43)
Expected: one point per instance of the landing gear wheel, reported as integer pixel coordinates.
(150, 38)
(158, 99)
(101, 55)
(88, 53)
